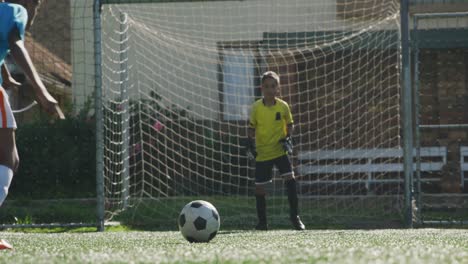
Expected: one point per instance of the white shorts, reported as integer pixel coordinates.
(7, 120)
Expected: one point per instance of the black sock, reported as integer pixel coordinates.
(261, 208)
(292, 197)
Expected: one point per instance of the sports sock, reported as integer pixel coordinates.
(6, 174)
(292, 197)
(261, 208)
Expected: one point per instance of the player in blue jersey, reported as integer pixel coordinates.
(13, 23)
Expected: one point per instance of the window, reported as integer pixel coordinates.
(238, 79)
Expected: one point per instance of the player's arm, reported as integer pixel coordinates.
(287, 141)
(289, 130)
(251, 149)
(250, 146)
(22, 59)
(251, 133)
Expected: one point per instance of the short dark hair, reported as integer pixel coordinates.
(271, 75)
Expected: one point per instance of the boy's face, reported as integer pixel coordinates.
(270, 88)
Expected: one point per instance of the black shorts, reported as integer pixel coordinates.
(264, 169)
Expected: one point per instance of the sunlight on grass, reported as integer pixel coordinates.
(279, 246)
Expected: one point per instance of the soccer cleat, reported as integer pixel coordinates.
(261, 226)
(297, 223)
(5, 245)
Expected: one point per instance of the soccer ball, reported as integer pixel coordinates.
(199, 221)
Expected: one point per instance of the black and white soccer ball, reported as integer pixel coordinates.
(199, 221)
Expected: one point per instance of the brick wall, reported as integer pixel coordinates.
(444, 95)
(52, 28)
(444, 100)
(342, 99)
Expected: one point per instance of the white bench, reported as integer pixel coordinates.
(463, 164)
(367, 161)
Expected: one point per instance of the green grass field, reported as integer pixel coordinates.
(236, 212)
(142, 238)
(278, 246)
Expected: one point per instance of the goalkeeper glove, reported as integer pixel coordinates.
(251, 150)
(287, 144)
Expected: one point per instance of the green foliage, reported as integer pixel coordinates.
(48, 211)
(26, 220)
(236, 213)
(56, 159)
(203, 156)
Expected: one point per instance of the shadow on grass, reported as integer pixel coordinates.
(237, 213)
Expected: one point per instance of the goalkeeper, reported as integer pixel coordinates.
(269, 142)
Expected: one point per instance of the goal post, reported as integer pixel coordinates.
(407, 102)
(174, 85)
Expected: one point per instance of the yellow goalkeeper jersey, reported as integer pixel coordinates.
(270, 124)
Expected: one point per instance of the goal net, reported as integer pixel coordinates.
(178, 80)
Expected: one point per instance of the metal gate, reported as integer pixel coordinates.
(440, 85)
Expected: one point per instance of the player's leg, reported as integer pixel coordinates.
(287, 173)
(8, 163)
(5, 245)
(9, 160)
(263, 176)
(260, 194)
